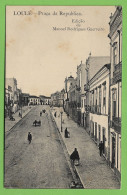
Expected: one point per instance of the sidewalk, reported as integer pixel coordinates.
(93, 170)
(9, 124)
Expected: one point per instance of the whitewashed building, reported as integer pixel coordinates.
(115, 36)
(99, 107)
(34, 100)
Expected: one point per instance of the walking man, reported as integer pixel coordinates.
(101, 147)
(29, 137)
(75, 156)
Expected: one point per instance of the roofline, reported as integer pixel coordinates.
(108, 66)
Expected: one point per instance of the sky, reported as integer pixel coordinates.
(40, 57)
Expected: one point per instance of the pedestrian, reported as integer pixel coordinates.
(40, 113)
(55, 114)
(35, 122)
(29, 137)
(101, 147)
(66, 133)
(75, 156)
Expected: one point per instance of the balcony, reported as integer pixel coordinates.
(96, 109)
(87, 108)
(99, 109)
(78, 88)
(117, 74)
(86, 87)
(116, 124)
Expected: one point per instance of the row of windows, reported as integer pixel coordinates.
(98, 99)
(97, 133)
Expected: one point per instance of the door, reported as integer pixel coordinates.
(95, 131)
(113, 152)
(103, 140)
(92, 129)
(99, 133)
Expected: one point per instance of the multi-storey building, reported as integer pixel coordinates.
(12, 82)
(99, 108)
(72, 103)
(57, 98)
(115, 36)
(44, 100)
(69, 82)
(83, 96)
(19, 95)
(74, 97)
(8, 100)
(93, 65)
(34, 100)
(25, 99)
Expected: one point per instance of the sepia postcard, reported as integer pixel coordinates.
(63, 84)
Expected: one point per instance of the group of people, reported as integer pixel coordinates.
(43, 111)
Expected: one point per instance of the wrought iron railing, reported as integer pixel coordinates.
(116, 124)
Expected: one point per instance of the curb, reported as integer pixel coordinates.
(65, 148)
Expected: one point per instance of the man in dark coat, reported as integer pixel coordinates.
(66, 133)
(75, 156)
(29, 137)
(101, 147)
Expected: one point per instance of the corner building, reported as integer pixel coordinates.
(115, 36)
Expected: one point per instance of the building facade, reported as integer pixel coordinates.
(115, 36)
(74, 97)
(8, 100)
(92, 66)
(12, 83)
(45, 100)
(57, 98)
(69, 82)
(99, 108)
(25, 99)
(34, 100)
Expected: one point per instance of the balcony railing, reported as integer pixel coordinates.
(99, 109)
(86, 87)
(117, 74)
(116, 124)
(96, 109)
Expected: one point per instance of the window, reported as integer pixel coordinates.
(104, 99)
(95, 131)
(115, 54)
(103, 138)
(114, 98)
(82, 103)
(96, 100)
(93, 101)
(99, 110)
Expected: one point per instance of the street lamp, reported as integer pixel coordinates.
(61, 112)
